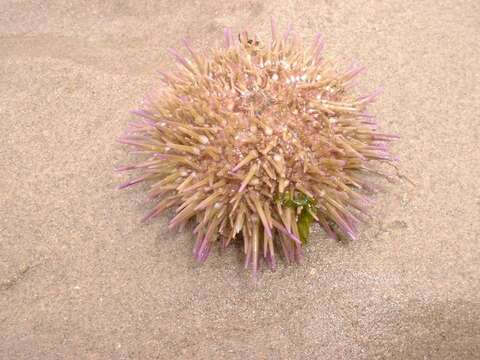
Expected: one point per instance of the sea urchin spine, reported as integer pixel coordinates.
(258, 141)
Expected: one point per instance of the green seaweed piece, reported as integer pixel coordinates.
(300, 200)
(307, 206)
(304, 222)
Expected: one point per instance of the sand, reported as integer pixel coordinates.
(81, 278)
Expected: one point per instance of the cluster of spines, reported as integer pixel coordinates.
(258, 141)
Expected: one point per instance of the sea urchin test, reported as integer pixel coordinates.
(255, 142)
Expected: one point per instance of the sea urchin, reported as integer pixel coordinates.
(258, 141)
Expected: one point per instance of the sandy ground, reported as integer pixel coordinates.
(81, 278)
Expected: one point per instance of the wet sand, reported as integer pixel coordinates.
(81, 278)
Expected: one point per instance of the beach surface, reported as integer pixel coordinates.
(82, 278)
